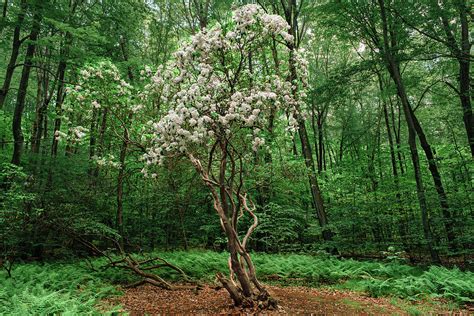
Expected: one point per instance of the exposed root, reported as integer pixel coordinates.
(260, 301)
(234, 292)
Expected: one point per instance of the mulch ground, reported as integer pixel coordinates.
(150, 300)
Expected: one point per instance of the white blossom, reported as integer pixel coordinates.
(210, 101)
(257, 142)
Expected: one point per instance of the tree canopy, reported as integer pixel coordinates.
(341, 127)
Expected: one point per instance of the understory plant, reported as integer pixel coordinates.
(223, 97)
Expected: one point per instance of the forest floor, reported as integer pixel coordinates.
(303, 284)
(293, 300)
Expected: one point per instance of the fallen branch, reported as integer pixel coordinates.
(142, 268)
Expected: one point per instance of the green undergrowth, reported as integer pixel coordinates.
(375, 278)
(76, 288)
(53, 289)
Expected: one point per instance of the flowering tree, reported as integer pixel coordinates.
(221, 93)
(100, 95)
(105, 102)
(103, 99)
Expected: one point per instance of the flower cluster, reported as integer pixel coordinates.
(99, 85)
(58, 135)
(78, 132)
(248, 16)
(214, 92)
(101, 94)
(106, 161)
(75, 134)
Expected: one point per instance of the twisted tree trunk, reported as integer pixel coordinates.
(231, 203)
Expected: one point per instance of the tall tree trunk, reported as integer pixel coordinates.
(43, 99)
(396, 126)
(321, 150)
(4, 10)
(23, 89)
(123, 151)
(16, 43)
(291, 16)
(464, 73)
(435, 174)
(100, 147)
(394, 70)
(96, 113)
(120, 180)
(315, 133)
(461, 51)
(317, 198)
(403, 220)
(341, 144)
(39, 103)
(60, 94)
(393, 159)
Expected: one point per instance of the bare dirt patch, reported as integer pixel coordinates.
(150, 300)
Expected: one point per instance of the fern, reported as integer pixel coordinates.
(72, 288)
(66, 289)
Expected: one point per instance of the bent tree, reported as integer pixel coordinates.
(221, 94)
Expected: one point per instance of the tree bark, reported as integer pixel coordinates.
(229, 202)
(396, 132)
(461, 51)
(322, 153)
(4, 10)
(44, 94)
(93, 132)
(100, 147)
(291, 14)
(38, 113)
(22, 90)
(120, 179)
(403, 220)
(435, 174)
(60, 94)
(123, 153)
(394, 70)
(464, 74)
(16, 43)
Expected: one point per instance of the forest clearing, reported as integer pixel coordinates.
(302, 284)
(214, 157)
